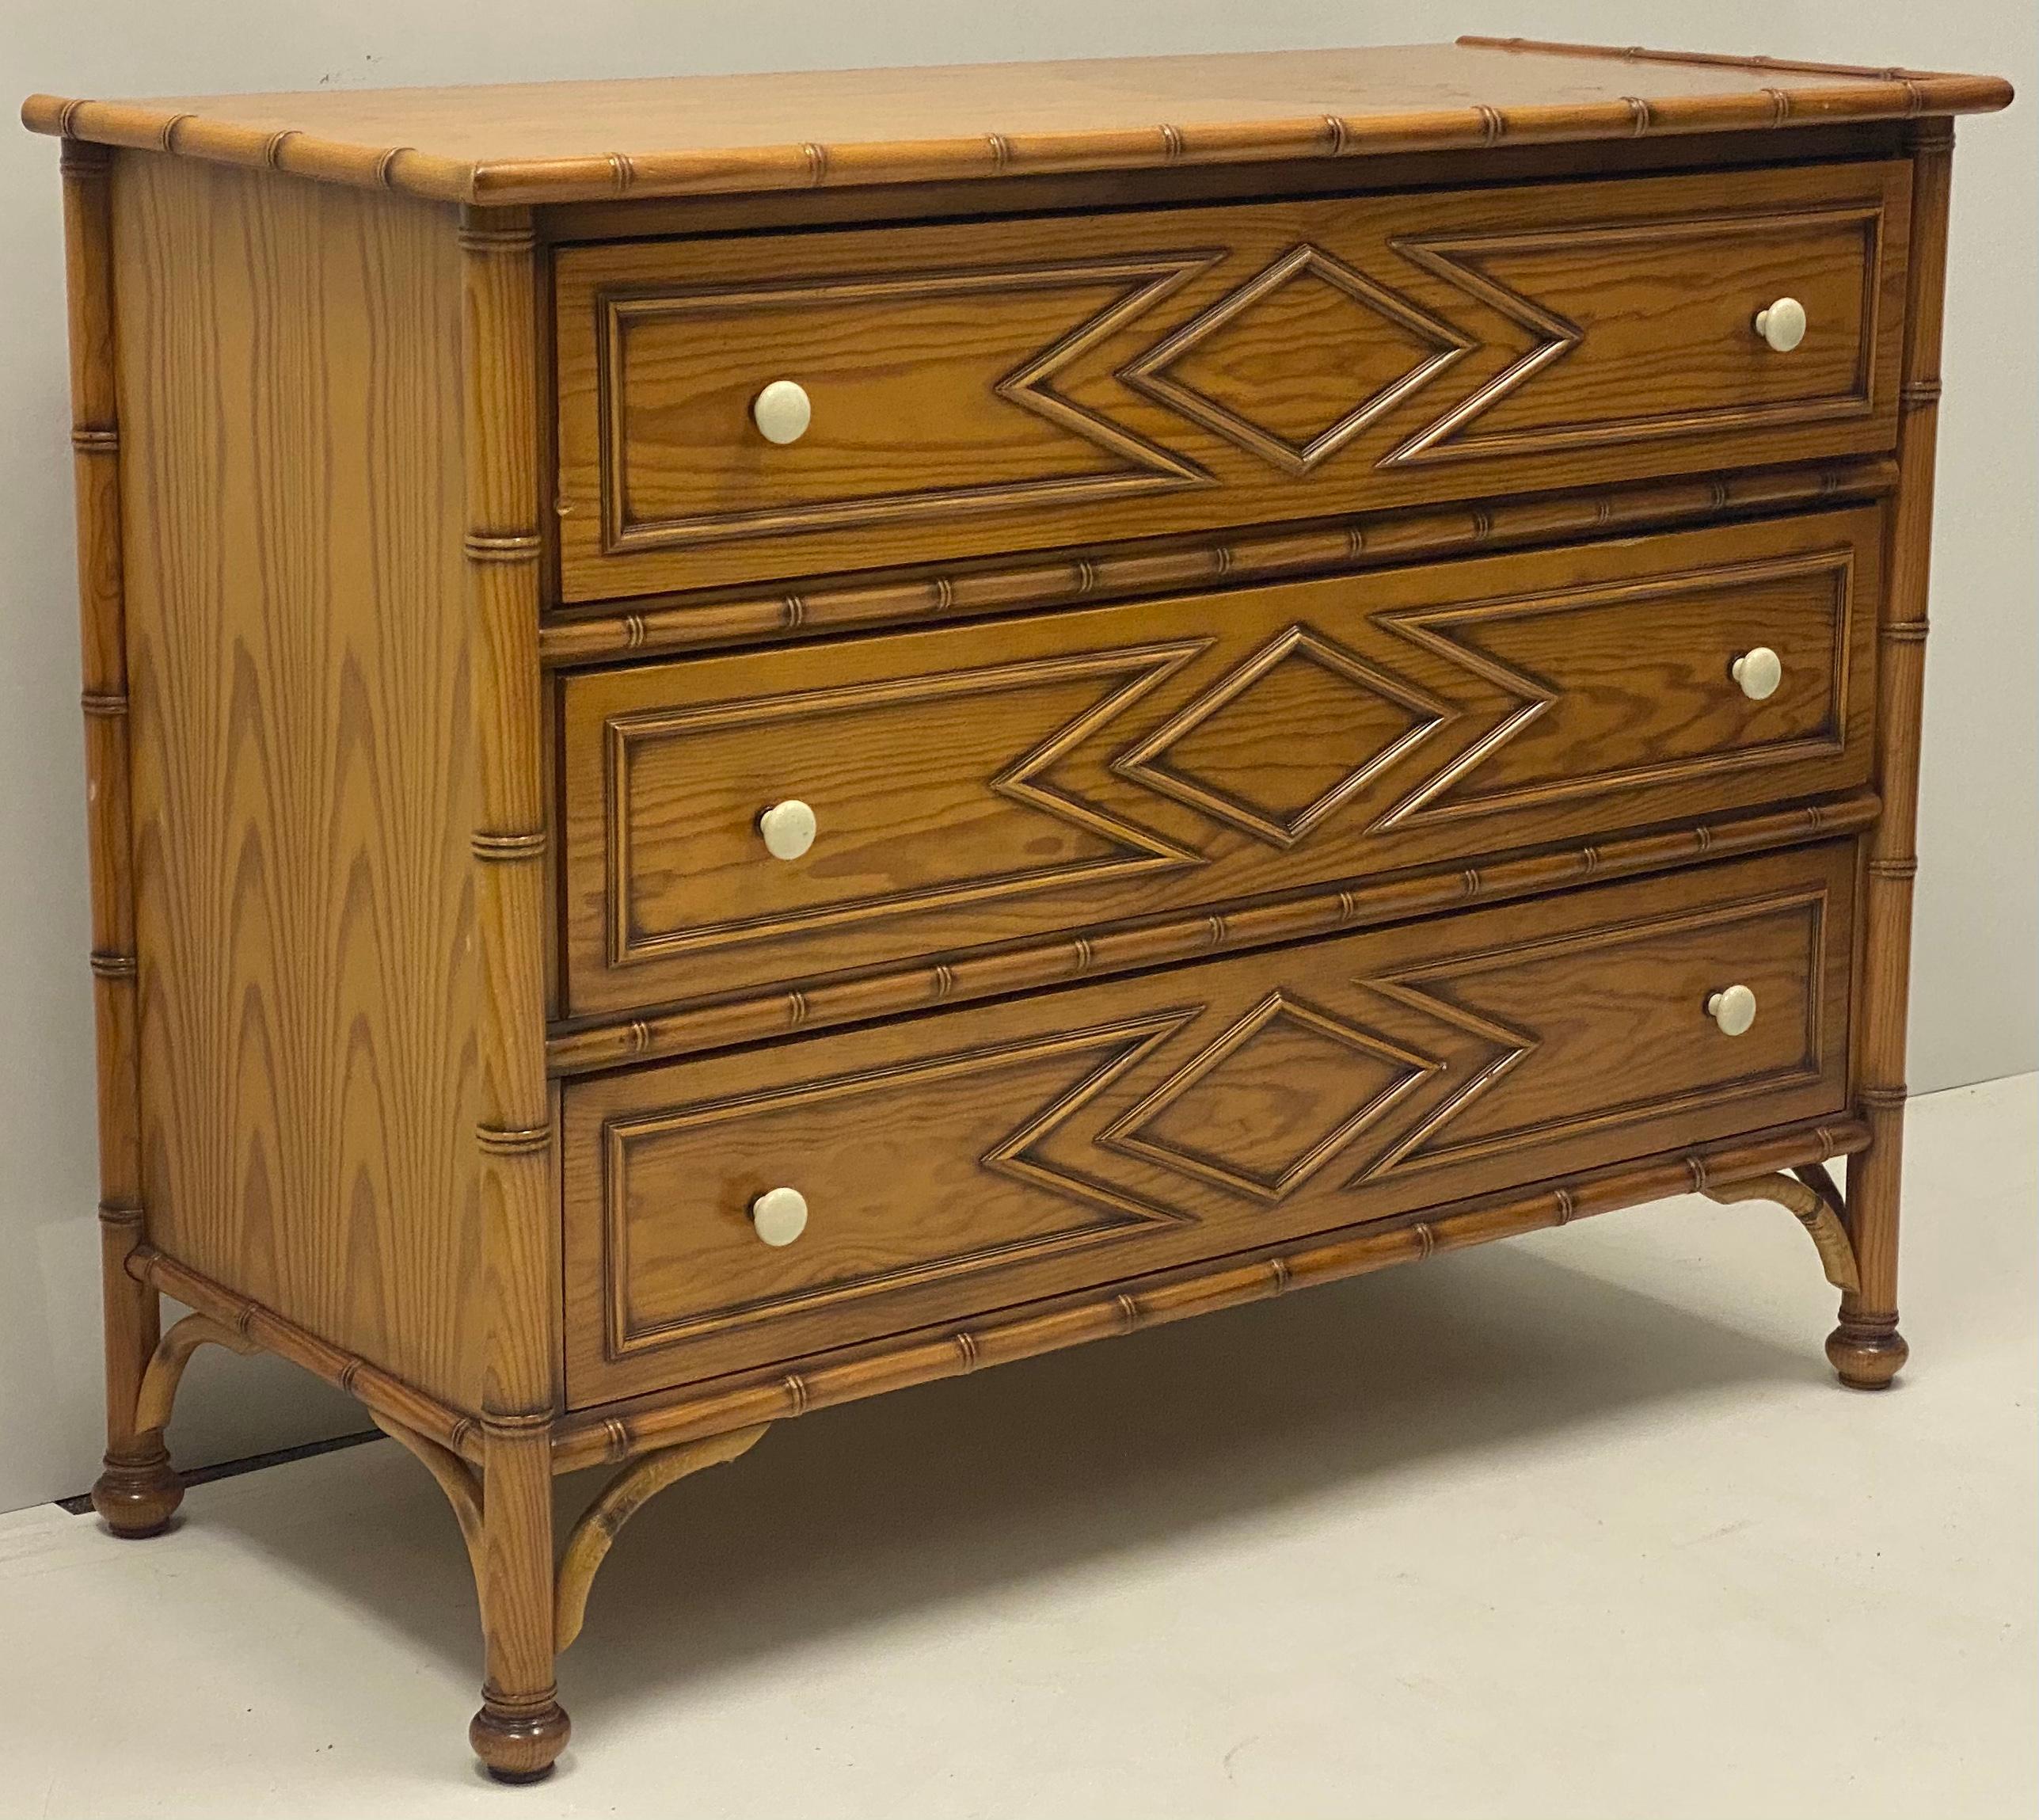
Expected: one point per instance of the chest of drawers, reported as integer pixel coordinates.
(752, 740)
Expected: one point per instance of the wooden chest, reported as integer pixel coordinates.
(751, 740)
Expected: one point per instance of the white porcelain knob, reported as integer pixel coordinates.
(1759, 672)
(1782, 325)
(1734, 1009)
(782, 411)
(788, 828)
(779, 1215)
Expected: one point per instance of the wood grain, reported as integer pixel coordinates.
(289, 360)
(956, 1164)
(1007, 782)
(1007, 385)
(562, 141)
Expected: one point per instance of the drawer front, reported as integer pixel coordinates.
(992, 782)
(981, 1157)
(984, 387)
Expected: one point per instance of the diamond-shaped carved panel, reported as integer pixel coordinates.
(1294, 363)
(1281, 740)
(1272, 1100)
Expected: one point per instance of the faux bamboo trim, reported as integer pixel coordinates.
(165, 1371)
(1709, 59)
(455, 1478)
(369, 1384)
(622, 1431)
(497, 1141)
(588, 1545)
(1877, 94)
(502, 415)
(1368, 541)
(509, 848)
(1820, 1217)
(102, 623)
(1865, 1347)
(1062, 958)
(138, 1491)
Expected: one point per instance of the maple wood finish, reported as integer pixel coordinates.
(1003, 782)
(1004, 384)
(1327, 693)
(563, 141)
(954, 1165)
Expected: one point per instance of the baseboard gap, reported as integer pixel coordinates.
(79, 1505)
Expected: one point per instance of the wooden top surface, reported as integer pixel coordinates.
(692, 135)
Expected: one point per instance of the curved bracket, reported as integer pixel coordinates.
(621, 1500)
(456, 1478)
(158, 1394)
(1815, 1211)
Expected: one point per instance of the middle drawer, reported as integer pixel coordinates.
(1001, 781)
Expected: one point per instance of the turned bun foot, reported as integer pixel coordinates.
(138, 1497)
(1867, 1354)
(516, 1741)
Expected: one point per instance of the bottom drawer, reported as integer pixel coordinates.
(971, 1159)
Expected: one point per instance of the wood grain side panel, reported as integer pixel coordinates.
(1000, 782)
(990, 386)
(979, 1158)
(303, 778)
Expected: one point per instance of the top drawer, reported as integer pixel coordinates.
(987, 386)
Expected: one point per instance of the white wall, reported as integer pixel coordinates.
(1976, 979)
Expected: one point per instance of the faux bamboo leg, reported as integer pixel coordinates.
(1866, 1349)
(521, 1728)
(138, 1491)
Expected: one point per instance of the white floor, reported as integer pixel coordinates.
(1576, 1526)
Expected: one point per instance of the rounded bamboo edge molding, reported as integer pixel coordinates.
(659, 625)
(588, 1437)
(1877, 94)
